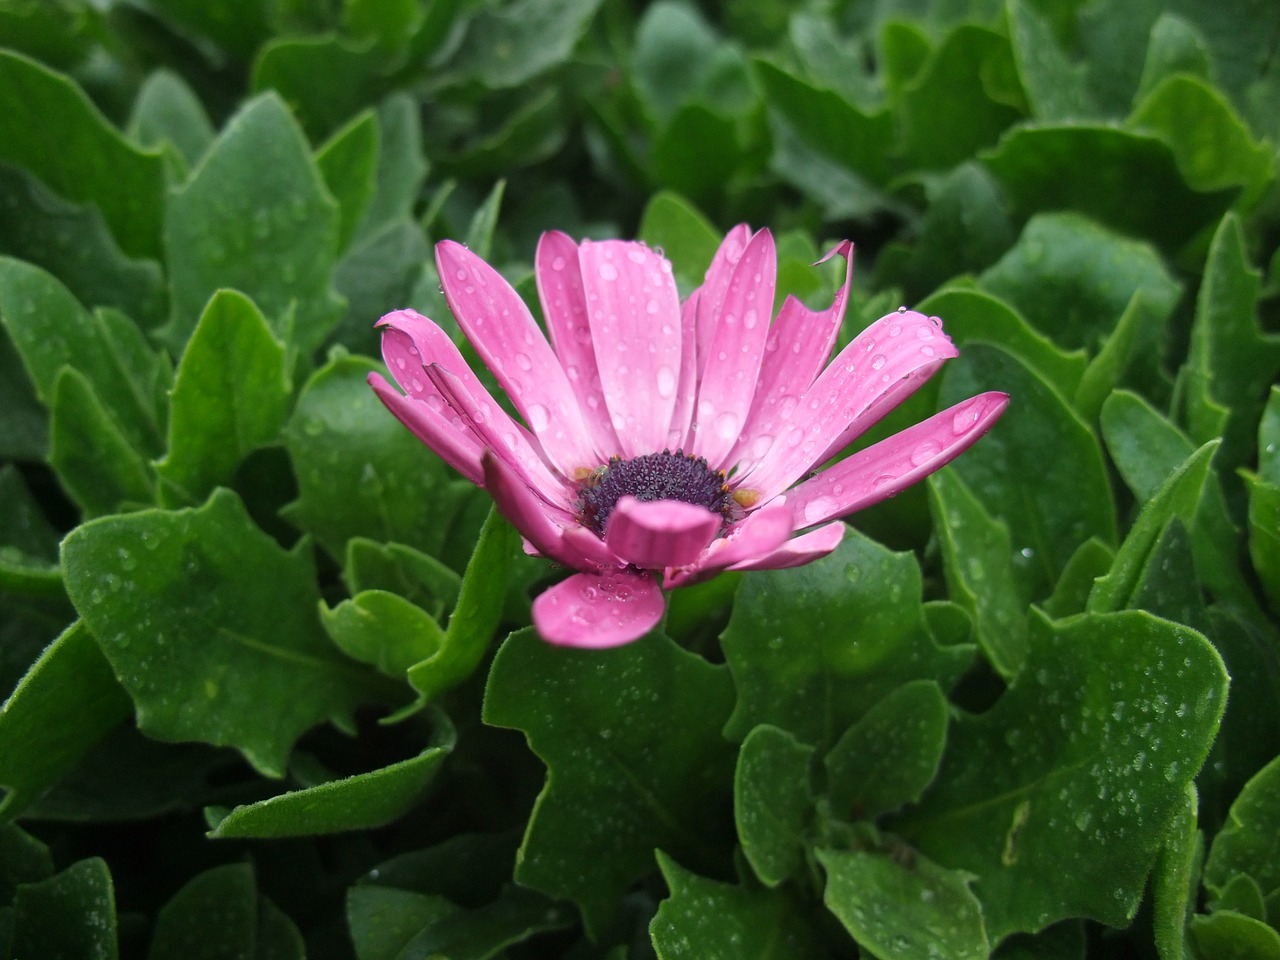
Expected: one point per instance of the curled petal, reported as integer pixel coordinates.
(595, 611)
(800, 550)
(893, 464)
(498, 432)
(757, 535)
(526, 512)
(658, 534)
(455, 443)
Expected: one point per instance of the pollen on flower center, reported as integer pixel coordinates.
(653, 476)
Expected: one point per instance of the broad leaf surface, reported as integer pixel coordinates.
(630, 737)
(1058, 798)
(773, 802)
(245, 664)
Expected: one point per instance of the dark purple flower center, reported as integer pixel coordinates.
(652, 476)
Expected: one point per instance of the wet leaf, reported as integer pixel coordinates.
(1059, 797)
(773, 802)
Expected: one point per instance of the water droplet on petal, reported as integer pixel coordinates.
(964, 421)
(461, 274)
(895, 330)
(523, 361)
(925, 452)
(666, 382)
(927, 351)
(902, 309)
(608, 272)
(539, 417)
(727, 425)
(878, 361)
(819, 509)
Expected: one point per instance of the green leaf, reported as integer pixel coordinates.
(63, 706)
(52, 331)
(1176, 881)
(813, 648)
(24, 427)
(1092, 560)
(830, 149)
(74, 243)
(230, 397)
(631, 740)
(168, 111)
(889, 757)
(378, 273)
(1176, 46)
(1178, 497)
(256, 216)
(364, 801)
(977, 556)
(325, 79)
(401, 165)
(1058, 798)
(23, 859)
(237, 27)
(49, 127)
(960, 101)
(1231, 363)
(218, 915)
(1055, 167)
(673, 225)
(98, 465)
(1264, 534)
(1050, 512)
(1249, 844)
(1056, 89)
(477, 614)
(1107, 369)
(507, 47)
(716, 921)
(383, 630)
(1214, 148)
(388, 924)
(904, 911)
(348, 161)
(773, 802)
(417, 577)
(71, 914)
(1074, 280)
(211, 628)
(28, 543)
(360, 472)
(1227, 935)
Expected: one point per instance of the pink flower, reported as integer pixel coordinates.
(665, 441)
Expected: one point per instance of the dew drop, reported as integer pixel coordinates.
(608, 272)
(895, 330)
(925, 452)
(523, 361)
(666, 382)
(878, 361)
(727, 425)
(927, 351)
(963, 421)
(539, 417)
(461, 274)
(902, 309)
(557, 263)
(819, 509)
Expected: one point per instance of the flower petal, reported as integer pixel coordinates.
(506, 336)
(454, 443)
(888, 360)
(893, 464)
(800, 550)
(499, 433)
(564, 306)
(757, 535)
(657, 534)
(634, 311)
(540, 527)
(595, 611)
(714, 284)
(686, 391)
(798, 347)
(732, 366)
